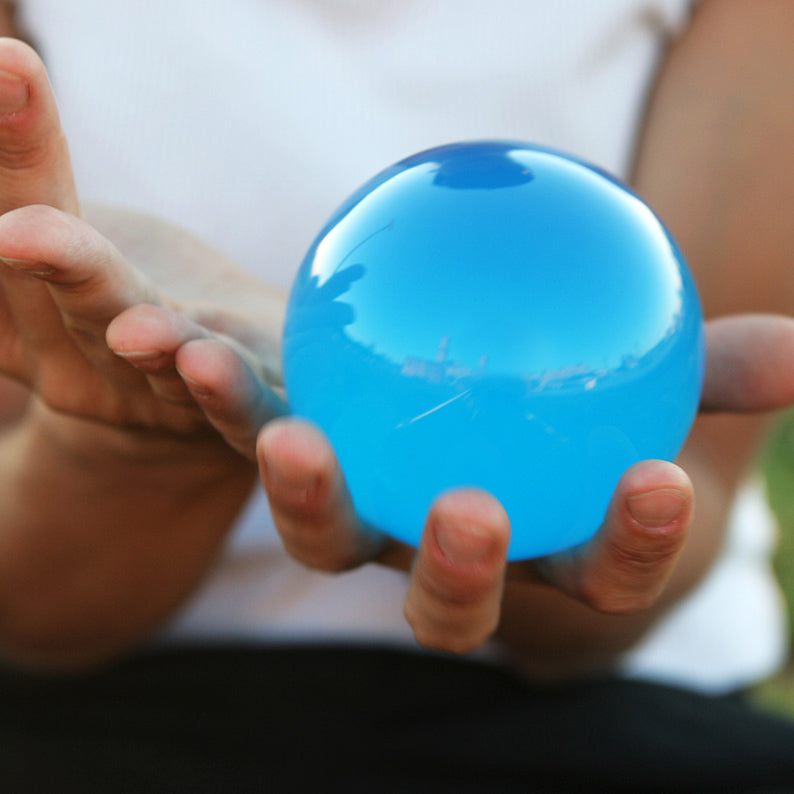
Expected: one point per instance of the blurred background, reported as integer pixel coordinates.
(777, 464)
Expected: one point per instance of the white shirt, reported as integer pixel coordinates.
(248, 121)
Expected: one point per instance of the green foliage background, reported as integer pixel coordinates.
(777, 464)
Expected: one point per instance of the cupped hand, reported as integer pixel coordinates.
(458, 575)
(141, 490)
(62, 281)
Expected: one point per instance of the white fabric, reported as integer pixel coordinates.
(248, 121)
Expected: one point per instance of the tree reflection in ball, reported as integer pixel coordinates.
(497, 315)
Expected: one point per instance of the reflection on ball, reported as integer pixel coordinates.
(498, 315)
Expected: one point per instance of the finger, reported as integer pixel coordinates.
(87, 279)
(148, 337)
(185, 362)
(750, 363)
(34, 157)
(626, 566)
(230, 390)
(63, 283)
(456, 585)
(34, 168)
(309, 500)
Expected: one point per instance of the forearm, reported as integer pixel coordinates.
(103, 539)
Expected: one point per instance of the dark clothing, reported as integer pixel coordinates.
(375, 721)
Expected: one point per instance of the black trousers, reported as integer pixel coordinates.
(335, 719)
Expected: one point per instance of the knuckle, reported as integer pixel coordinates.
(644, 555)
(454, 590)
(454, 628)
(629, 586)
(18, 154)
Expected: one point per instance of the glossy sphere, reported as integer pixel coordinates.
(497, 315)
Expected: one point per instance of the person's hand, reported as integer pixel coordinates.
(118, 492)
(62, 281)
(458, 574)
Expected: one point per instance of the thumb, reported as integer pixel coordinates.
(34, 157)
(750, 363)
(626, 565)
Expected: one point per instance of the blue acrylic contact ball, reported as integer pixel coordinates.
(498, 315)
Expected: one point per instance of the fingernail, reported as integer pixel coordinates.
(139, 355)
(152, 362)
(27, 266)
(14, 93)
(17, 264)
(463, 545)
(656, 508)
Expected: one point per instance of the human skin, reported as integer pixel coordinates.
(115, 497)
